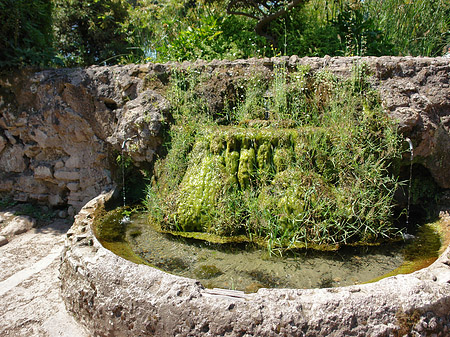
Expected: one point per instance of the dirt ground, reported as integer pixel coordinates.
(30, 300)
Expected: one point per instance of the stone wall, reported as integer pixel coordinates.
(60, 130)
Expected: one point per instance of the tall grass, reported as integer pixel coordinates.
(304, 159)
(415, 27)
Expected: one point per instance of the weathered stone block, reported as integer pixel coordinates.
(73, 186)
(12, 159)
(18, 225)
(55, 200)
(67, 175)
(74, 161)
(6, 216)
(6, 185)
(59, 164)
(43, 172)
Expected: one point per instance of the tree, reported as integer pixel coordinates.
(26, 33)
(90, 31)
(263, 11)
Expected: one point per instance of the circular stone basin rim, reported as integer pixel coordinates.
(116, 297)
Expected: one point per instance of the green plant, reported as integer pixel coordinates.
(308, 163)
(90, 31)
(26, 34)
(7, 201)
(418, 28)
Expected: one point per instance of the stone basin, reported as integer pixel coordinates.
(60, 128)
(112, 296)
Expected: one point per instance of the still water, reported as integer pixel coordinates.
(248, 268)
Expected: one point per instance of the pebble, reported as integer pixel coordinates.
(3, 240)
(62, 214)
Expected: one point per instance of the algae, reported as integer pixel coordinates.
(110, 227)
(207, 271)
(430, 241)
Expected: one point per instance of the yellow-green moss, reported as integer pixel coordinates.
(124, 250)
(198, 191)
(424, 250)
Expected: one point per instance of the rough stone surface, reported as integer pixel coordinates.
(6, 216)
(30, 299)
(18, 225)
(115, 297)
(61, 130)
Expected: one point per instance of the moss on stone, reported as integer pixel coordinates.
(198, 191)
(110, 227)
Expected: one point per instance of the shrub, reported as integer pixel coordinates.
(90, 31)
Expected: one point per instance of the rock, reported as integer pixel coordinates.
(62, 214)
(6, 216)
(6, 185)
(43, 172)
(18, 225)
(139, 126)
(55, 200)
(74, 162)
(73, 186)
(2, 143)
(12, 160)
(3, 240)
(67, 175)
(59, 164)
(71, 211)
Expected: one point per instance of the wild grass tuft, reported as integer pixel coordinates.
(304, 159)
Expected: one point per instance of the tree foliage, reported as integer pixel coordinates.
(25, 35)
(85, 32)
(263, 11)
(90, 31)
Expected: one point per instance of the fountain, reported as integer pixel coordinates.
(125, 219)
(243, 167)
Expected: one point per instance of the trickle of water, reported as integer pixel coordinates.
(125, 218)
(123, 171)
(411, 151)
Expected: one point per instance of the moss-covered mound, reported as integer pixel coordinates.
(315, 171)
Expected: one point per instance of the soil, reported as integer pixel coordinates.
(30, 300)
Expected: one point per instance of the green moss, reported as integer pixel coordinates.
(232, 161)
(110, 227)
(423, 250)
(198, 192)
(247, 161)
(316, 173)
(207, 272)
(124, 250)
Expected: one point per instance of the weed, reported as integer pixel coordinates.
(303, 159)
